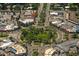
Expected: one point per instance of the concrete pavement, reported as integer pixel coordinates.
(47, 15)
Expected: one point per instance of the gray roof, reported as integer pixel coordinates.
(66, 45)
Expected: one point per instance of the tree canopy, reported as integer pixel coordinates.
(37, 35)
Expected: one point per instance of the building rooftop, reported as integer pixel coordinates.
(66, 45)
(25, 13)
(71, 16)
(27, 16)
(5, 43)
(6, 21)
(64, 23)
(10, 48)
(49, 52)
(19, 49)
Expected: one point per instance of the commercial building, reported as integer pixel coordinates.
(5, 43)
(66, 45)
(71, 16)
(49, 52)
(62, 48)
(7, 22)
(19, 49)
(27, 17)
(65, 20)
(10, 48)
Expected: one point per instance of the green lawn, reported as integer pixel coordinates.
(37, 35)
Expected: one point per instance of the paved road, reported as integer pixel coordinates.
(16, 34)
(47, 15)
(60, 34)
(39, 11)
(40, 49)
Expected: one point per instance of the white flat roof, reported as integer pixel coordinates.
(6, 43)
(49, 52)
(27, 21)
(54, 22)
(61, 24)
(53, 13)
(29, 7)
(67, 7)
(11, 27)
